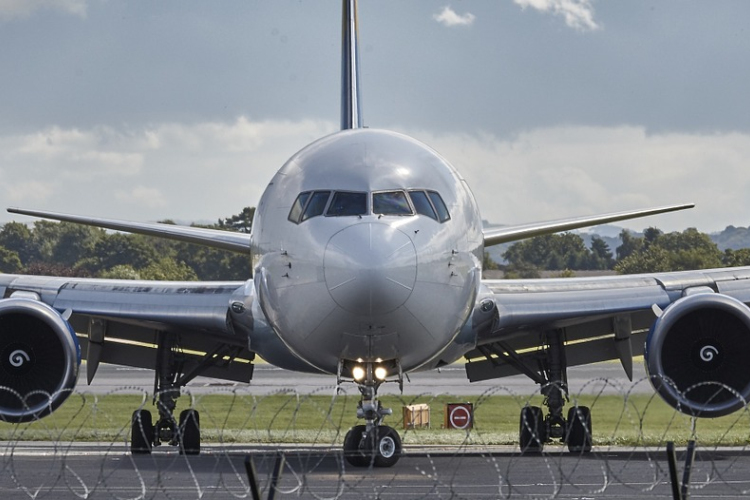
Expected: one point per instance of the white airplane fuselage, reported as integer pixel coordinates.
(369, 287)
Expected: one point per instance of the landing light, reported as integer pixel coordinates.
(380, 373)
(358, 373)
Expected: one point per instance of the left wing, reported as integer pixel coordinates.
(225, 240)
(689, 325)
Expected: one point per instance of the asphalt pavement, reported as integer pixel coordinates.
(108, 471)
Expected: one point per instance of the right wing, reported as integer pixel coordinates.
(522, 231)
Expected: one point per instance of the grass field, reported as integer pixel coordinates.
(640, 420)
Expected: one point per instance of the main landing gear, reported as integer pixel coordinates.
(170, 376)
(535, 428)
(371, 444)
(547, 367)
(185, 433)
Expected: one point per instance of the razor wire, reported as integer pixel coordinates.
(86, 454)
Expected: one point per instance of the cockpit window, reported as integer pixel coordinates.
(390, 203)
(439, 205)
(299, 204)
(422, 204)
(310, 204)
(317, 204)
(346, 204)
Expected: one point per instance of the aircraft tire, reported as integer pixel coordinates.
(190, 432)
(142, 433)
(352, 452)
(387, 447)
(532, 433)
(579, 429)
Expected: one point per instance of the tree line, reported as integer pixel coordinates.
(655, 251)
(66, 249)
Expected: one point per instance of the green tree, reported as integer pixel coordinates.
(630, 244)
(9, 261)
(655, 259)
(122, 249)
(548, 252)
(167, 269)
(120, 272)
(75, 242)
(242, 222)
(601, 255)
(735, 258)
(488, 264)
(674, 251)
(16, 237)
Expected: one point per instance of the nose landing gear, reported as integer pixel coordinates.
(371, 444)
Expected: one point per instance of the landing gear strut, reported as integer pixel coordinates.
(184, 433)
(535, 429)
(371, 444)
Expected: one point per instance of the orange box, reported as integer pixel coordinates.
(416, 416)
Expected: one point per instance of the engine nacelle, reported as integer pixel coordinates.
(697, 355)
(39, 359)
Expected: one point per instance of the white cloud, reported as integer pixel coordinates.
(142, 195)
(26, 192)
(204, 171)
(549, 173)
(10, 9)
(578, 14)
(448, 17)
(196, 172)
(98, 152)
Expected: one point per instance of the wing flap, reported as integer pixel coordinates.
(576, 354)
(137, 355)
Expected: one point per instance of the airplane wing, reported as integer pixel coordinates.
(224, 240)
(678, 320)
(120, 321)
(523, 231)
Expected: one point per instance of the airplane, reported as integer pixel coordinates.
(367, 250)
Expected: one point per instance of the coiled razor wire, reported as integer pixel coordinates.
(86, 454)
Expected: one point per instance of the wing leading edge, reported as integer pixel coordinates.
(519, 232)
(224, 240)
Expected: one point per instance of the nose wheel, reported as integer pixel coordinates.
(371, 444)
(381, 447)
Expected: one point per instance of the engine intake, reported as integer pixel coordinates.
(39, 359)
(697, 355)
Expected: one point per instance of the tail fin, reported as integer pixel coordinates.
(351, 116)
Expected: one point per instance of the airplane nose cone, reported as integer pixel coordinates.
(370, 268)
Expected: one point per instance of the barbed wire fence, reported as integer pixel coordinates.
(82, 451)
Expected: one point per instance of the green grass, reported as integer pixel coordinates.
(641, 420)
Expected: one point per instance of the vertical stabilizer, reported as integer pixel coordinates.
(351, 116)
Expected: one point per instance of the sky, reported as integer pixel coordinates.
(184, 109)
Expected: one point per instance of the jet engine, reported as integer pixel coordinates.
(39, 359)
(697, 355)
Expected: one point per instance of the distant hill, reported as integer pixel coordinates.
(732, 237)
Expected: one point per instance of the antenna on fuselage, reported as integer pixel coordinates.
(351, 116)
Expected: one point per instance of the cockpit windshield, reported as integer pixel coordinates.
(316, 205)
(345, 203)
(351, 203)
(390, 203)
